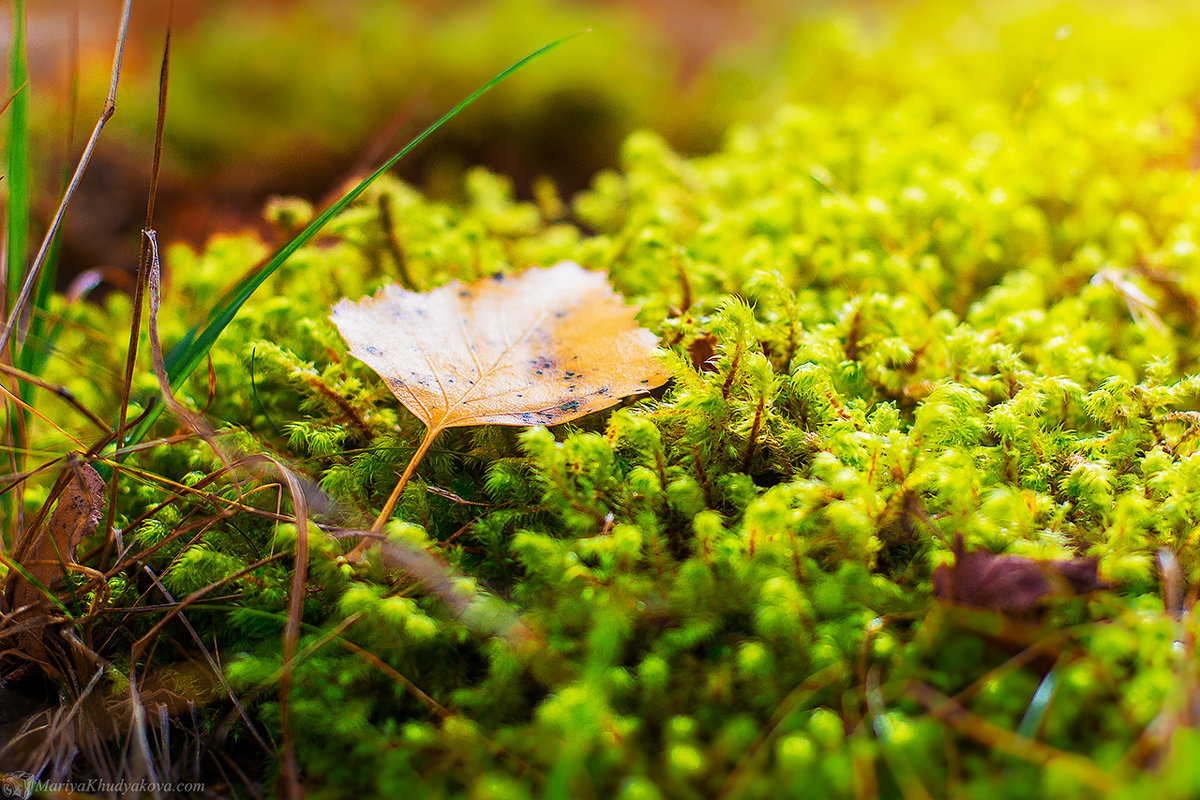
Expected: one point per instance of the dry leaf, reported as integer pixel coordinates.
(540, 348)
(1011, 583)
(44, 553)
(703, 353)
(48, 549)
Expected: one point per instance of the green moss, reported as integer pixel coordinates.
(923, 327)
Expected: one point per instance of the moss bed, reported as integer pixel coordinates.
(945, 309)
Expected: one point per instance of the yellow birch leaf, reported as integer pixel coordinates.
(539, 348)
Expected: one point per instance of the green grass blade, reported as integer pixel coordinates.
(31, 352)
(39, 339)
(183, 359)
(38, 342)
(18, 204)
(18, 169)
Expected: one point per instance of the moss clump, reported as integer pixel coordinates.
(929, 318)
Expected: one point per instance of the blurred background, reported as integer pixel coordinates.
(299, 96)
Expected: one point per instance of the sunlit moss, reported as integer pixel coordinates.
(928, 318)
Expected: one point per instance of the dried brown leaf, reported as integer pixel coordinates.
(47, 550)
(1011, 583)
(703, 353)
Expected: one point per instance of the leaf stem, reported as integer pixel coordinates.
(430, 434)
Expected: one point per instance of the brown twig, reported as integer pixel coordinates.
(140, 286)
(61, 392)
(750, 444)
